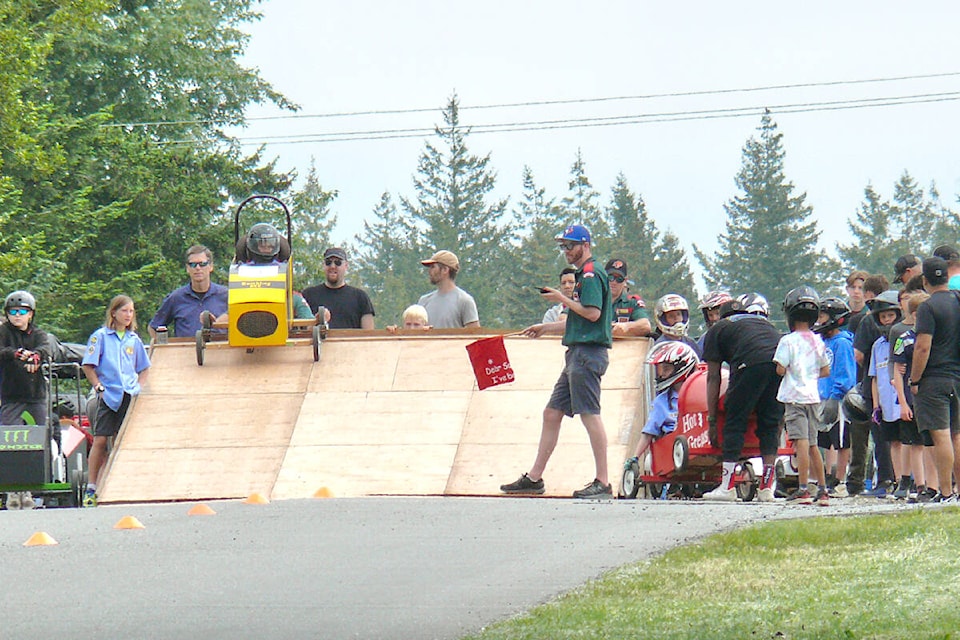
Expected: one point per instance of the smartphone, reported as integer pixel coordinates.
(541, 289)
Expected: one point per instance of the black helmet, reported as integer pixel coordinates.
(20, 299)
(886, 301)
(263, 242)
(838, 312)
(801, 305)
(855, 406)
(731, 308)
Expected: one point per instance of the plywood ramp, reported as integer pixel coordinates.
(376, 416)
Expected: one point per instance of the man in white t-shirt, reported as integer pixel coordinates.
(449, 307)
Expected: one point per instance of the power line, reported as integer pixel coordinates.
(538, 103)
(569, 123)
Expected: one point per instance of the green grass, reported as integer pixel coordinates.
(884, 576)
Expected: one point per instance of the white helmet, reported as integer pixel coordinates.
(672, 302)
(756, 304)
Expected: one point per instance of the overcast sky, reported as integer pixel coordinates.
(335, 57)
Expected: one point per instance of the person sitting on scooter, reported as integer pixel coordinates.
(23, 390)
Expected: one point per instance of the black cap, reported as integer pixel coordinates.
(946, 252)
(935, 270)
(904, 263)
(616, 266)
(335, 252)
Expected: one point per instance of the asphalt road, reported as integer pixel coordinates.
(385, 568)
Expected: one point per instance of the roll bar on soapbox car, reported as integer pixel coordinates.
(260, 301)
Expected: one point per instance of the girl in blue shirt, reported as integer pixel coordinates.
(116, 365)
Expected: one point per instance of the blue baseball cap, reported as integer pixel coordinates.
(575, 233)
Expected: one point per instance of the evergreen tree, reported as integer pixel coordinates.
(451, 212)
(769, 244)
(874, 248)
(657, 263)
(387, 261)
(312, 224)
(582, 202)
(946, 226)
(915, 216)
(535, 261)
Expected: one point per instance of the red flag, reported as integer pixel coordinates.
(491, 366)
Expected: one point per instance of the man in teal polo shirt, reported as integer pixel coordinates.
(587, 334)
(629, 313)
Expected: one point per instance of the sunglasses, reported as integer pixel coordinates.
(616, 278)
(568, 246)
(195, 265)
(330, 261)
(18, 312)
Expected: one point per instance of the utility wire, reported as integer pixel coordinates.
(538, 103)
(675, 116)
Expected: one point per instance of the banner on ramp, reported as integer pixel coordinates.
(491, 366)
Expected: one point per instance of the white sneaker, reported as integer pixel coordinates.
(13, 501)
(26, 500)
(721, 495)
(839, 491)
(765, 495)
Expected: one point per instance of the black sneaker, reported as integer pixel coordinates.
(929, 495)
(524, 485)
(594, 489)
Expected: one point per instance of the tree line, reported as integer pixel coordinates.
(114, 158)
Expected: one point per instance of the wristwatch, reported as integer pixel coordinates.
(99, 388)
(914, 384)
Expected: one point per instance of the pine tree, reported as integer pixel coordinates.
(451, 212)
(535, 261)
(946, 225)
(656, 262)
(874, 248)
(312, 224)
(769, 244)
(915, 217)
(387, 263)
(582, 202)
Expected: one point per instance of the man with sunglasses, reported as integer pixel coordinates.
(629, 314)
(587, 334)
(349, 307)
(182, 307)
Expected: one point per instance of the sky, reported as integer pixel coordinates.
(362, 56)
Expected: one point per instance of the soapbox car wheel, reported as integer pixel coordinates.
(630, 482)
(315, 338)
(76, 488)
(201, 347)
(746, 482)
(681, 453)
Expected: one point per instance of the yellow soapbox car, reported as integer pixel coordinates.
(260, 299)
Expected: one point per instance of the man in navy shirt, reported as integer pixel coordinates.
(182, 308)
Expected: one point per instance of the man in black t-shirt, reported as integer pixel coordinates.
(935, 377)
(747, 343)
(350, 307)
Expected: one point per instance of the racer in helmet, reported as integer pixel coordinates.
(675, 362)
(630, 314)
(801, 304)
(263, 243)
(673, 318)
(834, 314)
(802, 360)
(756, 304)
(885, 310)
(831, 326)
(710, 306)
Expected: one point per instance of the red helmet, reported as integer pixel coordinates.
(681, 355)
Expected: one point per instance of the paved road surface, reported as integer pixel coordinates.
(385, 568)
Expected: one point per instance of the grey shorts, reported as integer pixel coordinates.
(578, 388)
(936, 405)
(15, 413)
(802, 421)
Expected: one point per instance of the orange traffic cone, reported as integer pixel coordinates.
(256, 498)
(40, 539)
(129, 522)
(323, 492)
(201, 510)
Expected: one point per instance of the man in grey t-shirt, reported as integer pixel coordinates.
(449, 307)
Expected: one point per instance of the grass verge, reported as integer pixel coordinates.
(883, 576)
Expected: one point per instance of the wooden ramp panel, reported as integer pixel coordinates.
(376, 416)
(216, 431)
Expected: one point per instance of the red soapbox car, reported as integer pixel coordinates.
(685, 459)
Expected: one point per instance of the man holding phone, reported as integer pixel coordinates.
(587, 334)
(568, 279)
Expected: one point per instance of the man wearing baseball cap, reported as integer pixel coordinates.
(629, 313)
(349, 307)
(449, 307)
(587, 334)
(907, 267)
